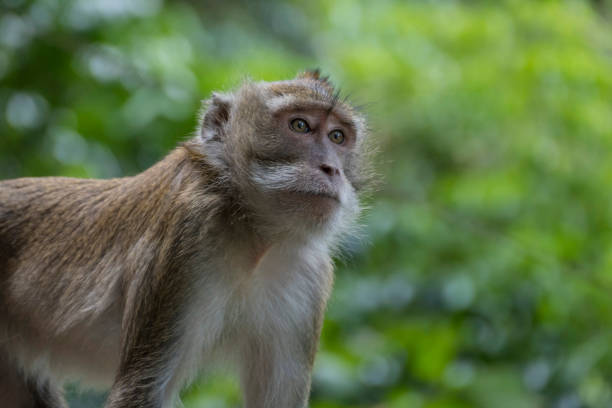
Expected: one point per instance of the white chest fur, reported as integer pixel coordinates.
(281, 292)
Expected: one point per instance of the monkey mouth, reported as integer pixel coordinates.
(317, 194)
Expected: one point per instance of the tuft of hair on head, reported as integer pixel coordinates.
(323, 85)
(315, 75)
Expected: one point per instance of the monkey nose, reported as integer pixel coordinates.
(331, 171)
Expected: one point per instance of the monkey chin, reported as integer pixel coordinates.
(313, 206)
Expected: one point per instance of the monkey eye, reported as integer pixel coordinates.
(299, 125)
(336, 136)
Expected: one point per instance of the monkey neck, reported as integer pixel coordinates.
(199, 196)
(258, 254)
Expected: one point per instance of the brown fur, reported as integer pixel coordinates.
(111, 269)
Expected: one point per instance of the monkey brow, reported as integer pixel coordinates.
(289, 103)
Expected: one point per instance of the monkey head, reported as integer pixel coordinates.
(291, 149)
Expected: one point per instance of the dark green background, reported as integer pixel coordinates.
(483, 273)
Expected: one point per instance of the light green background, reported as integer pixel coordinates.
(483, 273)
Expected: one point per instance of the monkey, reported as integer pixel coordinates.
(220, 251)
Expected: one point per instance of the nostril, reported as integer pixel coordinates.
(329, 170)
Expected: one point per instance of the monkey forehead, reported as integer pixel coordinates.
(305, 88)
(306, 95)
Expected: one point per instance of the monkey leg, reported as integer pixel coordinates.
(274, 377)
(151, 340)
(25, 391)
(276, 359)
(276, 365)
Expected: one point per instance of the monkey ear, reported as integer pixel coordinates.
(216, 114)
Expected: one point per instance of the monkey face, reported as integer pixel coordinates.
(301, 164)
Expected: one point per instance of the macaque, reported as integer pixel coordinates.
(222, 250)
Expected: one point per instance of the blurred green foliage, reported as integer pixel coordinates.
(483, 277)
